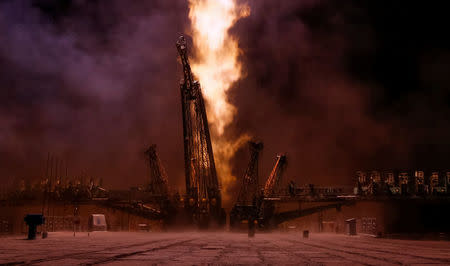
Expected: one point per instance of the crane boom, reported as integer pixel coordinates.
(249, 189)
(158, 177)
(275, 176)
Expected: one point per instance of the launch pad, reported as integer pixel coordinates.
(219, 248)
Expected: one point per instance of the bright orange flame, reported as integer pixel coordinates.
(217, 68)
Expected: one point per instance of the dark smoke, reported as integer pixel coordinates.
(92, 82)
(345, 86)
(338, 86)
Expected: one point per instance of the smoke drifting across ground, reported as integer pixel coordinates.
(332, 84)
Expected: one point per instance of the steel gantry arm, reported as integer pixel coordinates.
(275, 176)
(249, 189)
(158, 177)
(202, 185)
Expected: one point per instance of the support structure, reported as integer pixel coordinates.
(249, 200)
(202, 185)
(275, 176)
(267, 209)
(158, 185)
(249, 189)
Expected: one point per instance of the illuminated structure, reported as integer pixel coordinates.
(275, 176)
(202, 185)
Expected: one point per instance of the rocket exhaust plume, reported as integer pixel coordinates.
(217, 67)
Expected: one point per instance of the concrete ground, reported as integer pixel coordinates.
(200, 248)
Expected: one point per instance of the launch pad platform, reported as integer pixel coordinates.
(218, 248)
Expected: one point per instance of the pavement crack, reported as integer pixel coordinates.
(394, 253)
(124, 255)
(54, 258)
(348, 252)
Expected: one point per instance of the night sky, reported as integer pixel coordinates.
(337, 85)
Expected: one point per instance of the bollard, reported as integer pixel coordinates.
(306, 234)
(251, 228)
(76, 223)
(33, 220)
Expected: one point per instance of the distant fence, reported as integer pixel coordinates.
(369, 225)
(59, 223)
(6, 226)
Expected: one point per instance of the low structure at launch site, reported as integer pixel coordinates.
(402, 183)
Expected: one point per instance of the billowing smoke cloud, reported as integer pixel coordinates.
(331, 84)
(320, 87)
(92, 82)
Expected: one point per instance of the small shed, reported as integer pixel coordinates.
(97, 222)
(351, 226)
